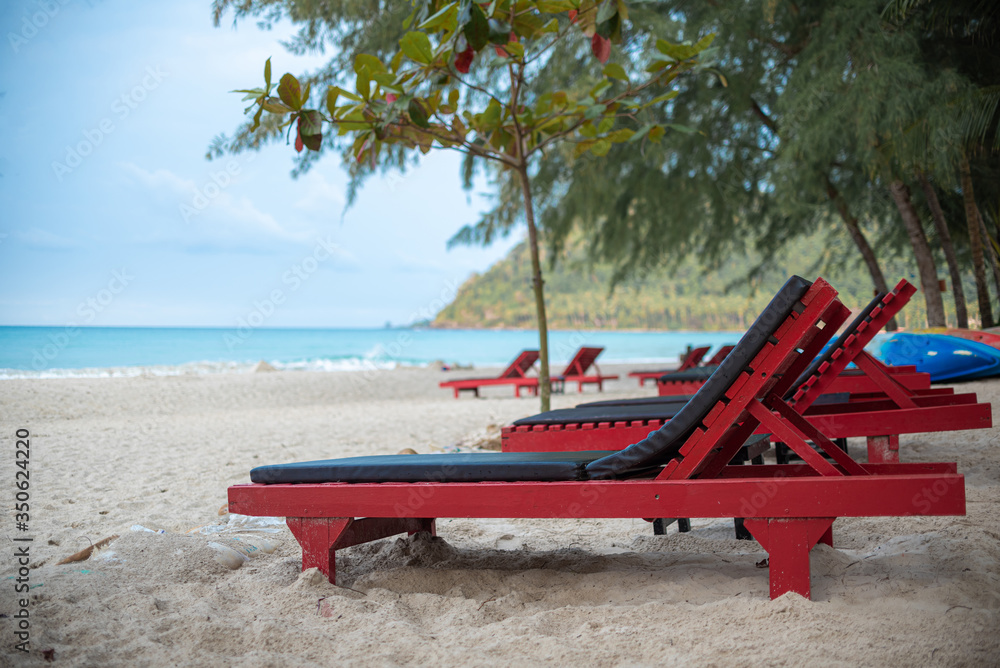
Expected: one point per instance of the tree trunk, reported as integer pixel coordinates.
(544, 385)
(961, 311)
(975, 243)
(851, 223)
(921, 252)
(991, 251)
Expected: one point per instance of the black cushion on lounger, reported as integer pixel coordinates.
(695, 374)
(613, 413)
(449, 467)
(662, 445)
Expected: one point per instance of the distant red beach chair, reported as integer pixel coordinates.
(681, 470)
(577, 370)
(693, 360)
(515, 374)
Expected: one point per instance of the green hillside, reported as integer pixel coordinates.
(577, 293)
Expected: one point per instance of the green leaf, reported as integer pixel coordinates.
(622, 135)
(684, 51)
(606, 10)
(615, 71)
(350, 96)
(596, 91)
(594, 111)
(681, 128)
(446, 17)
(453, 97)
(417, 47)
(363, 84)
(396, 60)
(290, 92)
(606, 124)
(311, 129)
(256, 118)
(418, 114)
(640, 133)
(371, 63)
(656, 134)
(663, 98)
(601, 147)
(267, 74)
(273, 105)
(477, 30)
(583, 147)
(515, 49)
(332, 93)
(491, 117)
(387, 80)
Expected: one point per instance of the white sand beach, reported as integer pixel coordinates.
(159, 452)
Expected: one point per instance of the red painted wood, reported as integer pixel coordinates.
(775, 491)
(788, 543)
(317, 535)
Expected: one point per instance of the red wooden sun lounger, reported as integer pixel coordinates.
(577, 371)
(879, 418)
(680, 470)
(515, 374)
(691, 361)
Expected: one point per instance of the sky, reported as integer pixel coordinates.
(112, 216)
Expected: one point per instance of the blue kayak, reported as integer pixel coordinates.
(943, 357)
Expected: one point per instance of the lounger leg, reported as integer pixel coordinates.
(321, 537)
(788, 542)
(883, 449)
(317, 535)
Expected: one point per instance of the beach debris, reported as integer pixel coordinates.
(49, 655)
(224, 510)
(407, 451)
(263, 366)
(227, 556)
(253, 546)
(487, 438)
(139, 527)
(85, 553)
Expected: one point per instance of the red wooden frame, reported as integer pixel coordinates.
(690, 361)
(515, 374)
(576, 370)
(788, 509)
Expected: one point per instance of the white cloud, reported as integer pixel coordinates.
(321, 195)
(210, 208)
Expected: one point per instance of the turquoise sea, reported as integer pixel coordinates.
(51, 352)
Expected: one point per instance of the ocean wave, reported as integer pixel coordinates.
(346, 364)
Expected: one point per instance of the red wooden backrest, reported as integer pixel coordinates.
(519, 367)
(719, 356)
(582, 361)
(692, 359)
